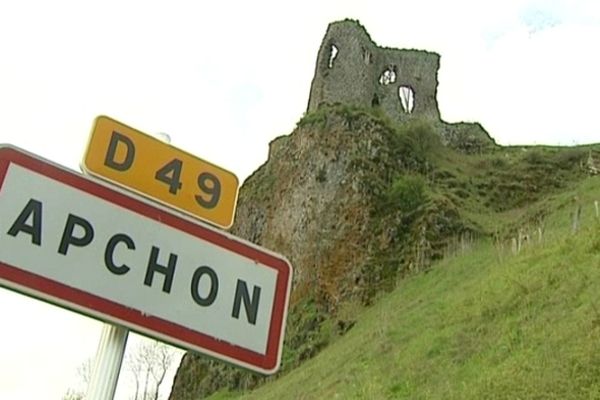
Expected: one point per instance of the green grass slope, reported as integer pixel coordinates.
(483, 324)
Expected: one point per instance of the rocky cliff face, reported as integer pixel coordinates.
(312, 201)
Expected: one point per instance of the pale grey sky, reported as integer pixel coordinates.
(225, 78)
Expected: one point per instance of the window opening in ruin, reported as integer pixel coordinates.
(333, 52)
(388, 76)
(407, 98)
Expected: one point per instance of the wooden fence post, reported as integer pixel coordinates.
(576, 217)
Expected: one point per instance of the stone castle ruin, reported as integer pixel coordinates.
(352, 69)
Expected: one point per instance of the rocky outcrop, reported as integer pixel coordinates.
(311, 201)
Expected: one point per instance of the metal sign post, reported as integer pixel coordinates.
(107, 364)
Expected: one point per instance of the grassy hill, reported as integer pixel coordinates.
(409, 282)
(485, 323)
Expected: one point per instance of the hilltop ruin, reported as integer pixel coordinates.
(351, 69)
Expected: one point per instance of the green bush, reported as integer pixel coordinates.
(407, 193)
(417, 145)
(419, 138)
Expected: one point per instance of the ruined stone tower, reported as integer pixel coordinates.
(352, 69)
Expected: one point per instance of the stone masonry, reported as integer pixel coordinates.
(352, 69)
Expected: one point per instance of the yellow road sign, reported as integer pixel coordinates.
(140, 162)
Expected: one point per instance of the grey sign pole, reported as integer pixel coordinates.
(107, 365)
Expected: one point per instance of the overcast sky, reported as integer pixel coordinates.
(224, 78)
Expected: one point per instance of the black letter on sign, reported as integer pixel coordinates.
(33, 207)
(68, 238)
(170, 174)
(251, 306)
(214, 286)
(110, 248)
(110, 161)
(167, 271)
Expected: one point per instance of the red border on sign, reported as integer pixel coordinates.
(96, 305)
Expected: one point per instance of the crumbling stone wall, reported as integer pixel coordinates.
(352, 69)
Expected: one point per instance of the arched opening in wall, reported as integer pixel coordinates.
(407, 98)
(388, 76)
(333, 52)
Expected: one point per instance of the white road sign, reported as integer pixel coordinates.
(79, 243)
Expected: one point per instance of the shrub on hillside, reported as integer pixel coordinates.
(407, 193)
